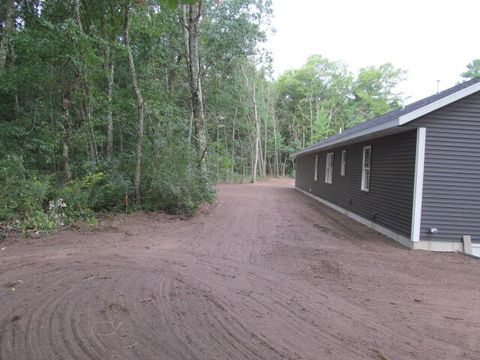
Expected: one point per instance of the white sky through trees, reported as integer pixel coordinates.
(431, 40)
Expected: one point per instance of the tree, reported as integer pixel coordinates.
(6, 50)
(374, 92)
(473, 70)
(140, 110)
(192, 18)
(323, 98)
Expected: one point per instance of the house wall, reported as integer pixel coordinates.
(389, 201)
(451, 188)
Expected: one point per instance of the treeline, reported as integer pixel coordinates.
(145, 104)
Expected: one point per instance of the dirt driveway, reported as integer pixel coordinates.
(264, 273)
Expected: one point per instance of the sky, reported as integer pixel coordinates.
(431, 40)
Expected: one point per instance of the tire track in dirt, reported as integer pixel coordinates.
(265, 273)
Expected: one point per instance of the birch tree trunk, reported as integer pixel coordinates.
(110, 73)
(257, 123)
(311, 119)
(257, 133)
(233, 142)
(193, 16)
(260, 154)
(140, 111)
(186, 37)
(275, 162)
(265, 148)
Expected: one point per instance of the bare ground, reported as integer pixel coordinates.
(264, 273)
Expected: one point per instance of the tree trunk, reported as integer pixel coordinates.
(260, 155)
(5, 50)
(270, 168)
(257, 134)
(110, 73)
(140, 111)
(87, 96)
(66, 136)
(233, 143)
(265, 148)
(193, 16)
(257, 123)
(284, 167)
(275, 161)
(66, 100)
(186, 37)
(311, 119)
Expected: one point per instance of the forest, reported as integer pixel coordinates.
(147, 104)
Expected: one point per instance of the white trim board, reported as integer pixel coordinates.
(402, 120)
(418, 184)
(381, 229)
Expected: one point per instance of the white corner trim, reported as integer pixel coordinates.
(438, 104)
(381, 229)
(418, 184)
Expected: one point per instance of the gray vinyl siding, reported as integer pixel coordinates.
(451, 189)
(389, 201)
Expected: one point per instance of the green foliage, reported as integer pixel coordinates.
(52, 218)
(374, 92)
(177, 192)
(12, 179)
(323, 97)
(96, 191)
(473, 70)
(172, 182)
(26, 196)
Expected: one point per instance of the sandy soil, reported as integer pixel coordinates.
(264, 273)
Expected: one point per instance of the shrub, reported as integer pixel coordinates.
(97, 191)
(172, 183)
(53, 218)
(12, 179)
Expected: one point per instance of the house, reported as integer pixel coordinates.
(412, 174)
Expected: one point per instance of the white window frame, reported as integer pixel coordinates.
(343, 167)
(315, 174)
(366, 170)
(329, 168)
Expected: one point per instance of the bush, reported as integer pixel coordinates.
(172, 183)
(177, 194)
(12, 179)
(53, 218)
(97, 191)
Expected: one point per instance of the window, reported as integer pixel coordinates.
(329, 168)
(366, 163)
(344, 163)
(315, 174)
